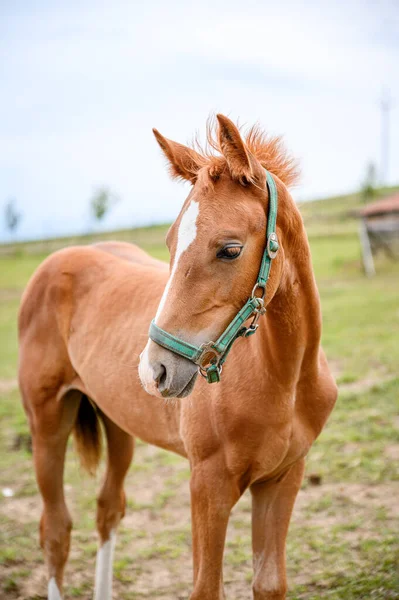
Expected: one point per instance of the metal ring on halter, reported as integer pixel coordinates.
(208, 348)
(261, 287)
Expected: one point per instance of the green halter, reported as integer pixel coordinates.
(211, 356)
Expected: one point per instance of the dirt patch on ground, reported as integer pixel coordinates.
(379, 376)
(10, 294)
(355, 496)
(392, 452)
(22, 510)
(8, 385)
(363, 385)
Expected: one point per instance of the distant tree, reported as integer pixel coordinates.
(12, 216)
(368, 190)
(102, 202)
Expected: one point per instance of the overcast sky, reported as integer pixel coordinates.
(83, 83)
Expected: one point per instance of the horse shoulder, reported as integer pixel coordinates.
(316, 395)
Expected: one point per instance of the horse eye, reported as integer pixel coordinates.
(230, 252)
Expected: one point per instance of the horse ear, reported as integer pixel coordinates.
(183, 161)
(243, 166)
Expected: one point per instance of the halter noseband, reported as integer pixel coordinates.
(210, 356)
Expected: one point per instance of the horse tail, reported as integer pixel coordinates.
(87, 435)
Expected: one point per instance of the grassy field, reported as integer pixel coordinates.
(343, 542)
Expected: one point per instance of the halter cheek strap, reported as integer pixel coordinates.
(210, 356)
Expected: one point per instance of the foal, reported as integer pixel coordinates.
(83, 319)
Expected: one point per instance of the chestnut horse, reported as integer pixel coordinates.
(84, 320)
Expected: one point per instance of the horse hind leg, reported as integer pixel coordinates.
(111, 503)
(51, 421)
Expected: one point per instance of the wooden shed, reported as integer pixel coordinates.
(379, 230)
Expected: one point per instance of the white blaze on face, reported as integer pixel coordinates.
(145, 371)
(185, 237)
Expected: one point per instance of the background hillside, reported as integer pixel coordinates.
(328, 216)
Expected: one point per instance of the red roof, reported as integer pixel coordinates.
(386, 205)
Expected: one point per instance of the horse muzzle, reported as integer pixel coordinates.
(165, 374)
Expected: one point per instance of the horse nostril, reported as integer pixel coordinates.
(160, 374)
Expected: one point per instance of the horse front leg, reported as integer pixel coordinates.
(213, 495)
(272, 505)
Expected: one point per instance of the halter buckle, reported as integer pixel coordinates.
(261, 310)
(272, 245)
(208, 350)
(258, 312)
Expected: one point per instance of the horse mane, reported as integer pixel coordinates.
(269, 150)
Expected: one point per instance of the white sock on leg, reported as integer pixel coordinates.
(104, 571)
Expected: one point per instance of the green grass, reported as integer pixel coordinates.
(16, 269)
(8, 337)
(360, 315)
(343, 542)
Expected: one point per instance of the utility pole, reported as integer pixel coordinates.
(386, 107)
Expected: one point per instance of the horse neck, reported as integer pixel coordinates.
(292, 334)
